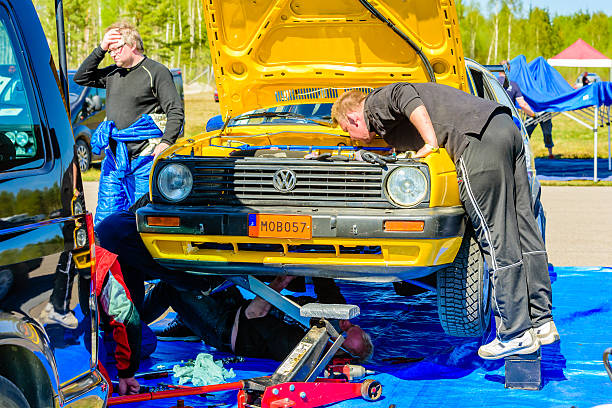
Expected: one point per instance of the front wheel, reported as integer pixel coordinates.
(11, 396)
(463, 291)
(83, 154)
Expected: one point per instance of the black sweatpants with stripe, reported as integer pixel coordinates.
(494, 189)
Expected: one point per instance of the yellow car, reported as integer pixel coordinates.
(275, 189)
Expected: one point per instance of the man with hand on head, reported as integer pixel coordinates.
(144, 116)
(487, 148)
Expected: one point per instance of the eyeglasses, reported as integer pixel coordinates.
(118, 49)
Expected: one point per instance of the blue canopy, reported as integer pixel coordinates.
(545, 89)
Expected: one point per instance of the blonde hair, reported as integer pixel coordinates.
(129, 33)
(347, 102)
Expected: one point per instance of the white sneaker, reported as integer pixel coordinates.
(547, 333)
(67, 320)
(526, 343)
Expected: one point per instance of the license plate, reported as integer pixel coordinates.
(280, 226)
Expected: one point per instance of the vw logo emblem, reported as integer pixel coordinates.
(284, 180)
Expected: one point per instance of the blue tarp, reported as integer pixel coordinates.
(571, 169)
(447, 371)
(545, 90)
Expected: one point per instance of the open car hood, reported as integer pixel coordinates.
(269, 52)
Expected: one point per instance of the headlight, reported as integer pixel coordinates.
(77, 207)
(174, 182)
(406, 186)
(22, 139)
(81, 237)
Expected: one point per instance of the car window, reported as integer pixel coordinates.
(101, 92)
(479, 83)
(20, 134)
(303, 114)
(502, 95)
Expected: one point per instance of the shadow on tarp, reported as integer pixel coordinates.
(445, 371)
(571, 169)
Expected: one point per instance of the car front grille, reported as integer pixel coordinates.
(251, 181)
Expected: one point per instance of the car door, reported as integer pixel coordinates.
(44, 251)
(485, 85)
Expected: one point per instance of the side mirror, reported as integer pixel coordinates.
(96, 102)
(214, 123)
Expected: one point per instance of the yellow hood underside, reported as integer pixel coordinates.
(267, 52)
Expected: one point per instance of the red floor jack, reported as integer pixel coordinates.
(296, 383)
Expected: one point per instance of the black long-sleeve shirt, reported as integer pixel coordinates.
(454, 114)
(131, 92)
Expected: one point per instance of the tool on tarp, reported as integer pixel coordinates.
(181, 404)
(348, 371)
(180, 392)
(151, 375)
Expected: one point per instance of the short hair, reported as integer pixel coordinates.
(347, 102)
(129, 33)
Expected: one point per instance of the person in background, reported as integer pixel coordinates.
(484, 143)
(585, 78)
(144, 116)
(514, 92)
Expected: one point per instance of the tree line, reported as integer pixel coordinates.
(507, 28)
(174, 31)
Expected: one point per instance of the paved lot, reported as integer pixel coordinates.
(579, 223)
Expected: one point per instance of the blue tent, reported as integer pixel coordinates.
(545, 90)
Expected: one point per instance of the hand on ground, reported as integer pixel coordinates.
(128, 386)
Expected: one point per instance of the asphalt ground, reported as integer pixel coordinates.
(578, 230)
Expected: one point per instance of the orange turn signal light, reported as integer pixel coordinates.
(404, 226)
(163, 221)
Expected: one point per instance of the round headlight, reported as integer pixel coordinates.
(407, 186)
(78, 207)
(81, 238)
(22, 139)
(174, 182)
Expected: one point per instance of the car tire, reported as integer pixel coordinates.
(83, 153)
(463, 291)
(11, 396)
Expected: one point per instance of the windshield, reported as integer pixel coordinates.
(308, 113)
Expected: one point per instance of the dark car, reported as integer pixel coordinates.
(47, 359)
(88, 110)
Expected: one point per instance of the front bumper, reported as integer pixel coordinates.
(345, 243)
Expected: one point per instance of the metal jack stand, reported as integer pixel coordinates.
(523, 371)
(295, 382)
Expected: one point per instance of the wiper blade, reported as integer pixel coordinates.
(282, 115)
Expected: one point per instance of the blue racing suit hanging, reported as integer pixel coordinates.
(122, 181)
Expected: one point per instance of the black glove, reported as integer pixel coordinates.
(375, 158)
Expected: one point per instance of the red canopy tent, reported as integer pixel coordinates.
(581, 54)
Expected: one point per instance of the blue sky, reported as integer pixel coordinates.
(565, 7)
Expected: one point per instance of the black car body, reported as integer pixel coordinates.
(88, 110)
(42, 220)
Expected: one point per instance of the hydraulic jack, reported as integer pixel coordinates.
(296, 382)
